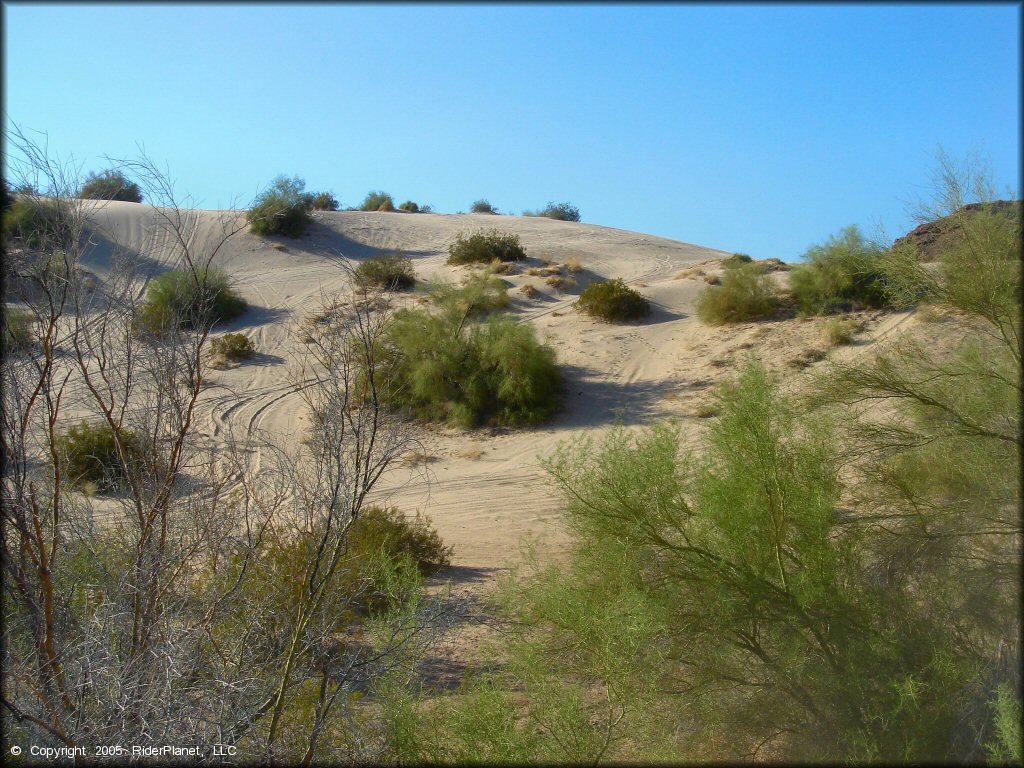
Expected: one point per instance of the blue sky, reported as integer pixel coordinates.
(755, 128)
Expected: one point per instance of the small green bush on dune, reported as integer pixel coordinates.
(843, 274)
(485, 247)
(88, 453)
(387, 529)
(393, 272)
(320, 201)
(442, 367)
(281, 210)
(18, 331)
(377, 201)
(559, 211)
(746, 293)
(189, 299)
(737, 260)
(480, 292)
(482, 206)
(110, 185)
(613, 300)
(37, 223)
(409, 206)
(233, 346)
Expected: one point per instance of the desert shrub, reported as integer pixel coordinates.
(613, 300)
(837, 332)
(89, 453)
(188, 299)
(574, 265)
(377, 201)
(443, 368)
(18, 331)
(745, 293)
(110, 185)
(560, 211)
(233, 346)
(409, 206)
(480, 292)
(6, 195)
(845, 273)
(393, 272)
(281, 210)
(320, 201)
(482, 206)
(387, 529)
(736, 260)
(36, 222)
(484, 247)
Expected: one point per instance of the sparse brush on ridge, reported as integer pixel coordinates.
(559, 211)
(281, 210)
(745, 293)
(189, 299)
(837, 332)
(482, 206)
(844, 273)
(320, 201)
(736, 260)
(613, 301)
(409, 206)
(485, 247)
(393, 272)
(110, 185)
(377, 201)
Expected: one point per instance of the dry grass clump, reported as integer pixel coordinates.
(574, 265)
(807, 358)
(561, 282)
(533, 272)
(529, 291)
(500, 267)
(929, 313)
(713, 279)
(706, 410)
(689, 273)
(838, 332)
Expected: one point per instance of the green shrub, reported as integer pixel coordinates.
(561, 211)
(233, 346)
(485, 247)
(837, 332)
(281, 210)
(736, 260)
(320, 201)
(89, 453)
(377, 201)
(18, 331)
(409, 206)
(36, 222)
(110, 185)
(6, 196)
(481, 292)
(443, 368)
(482, 206)
(613, 300)
(843, 274)
(386, 529)
(189, 299)
(394, 272)
(745, 293)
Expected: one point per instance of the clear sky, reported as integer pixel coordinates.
(755, 128)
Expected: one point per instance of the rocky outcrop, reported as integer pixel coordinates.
(930, 238)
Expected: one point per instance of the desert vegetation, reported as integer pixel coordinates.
(482, 206)
(410, 206)
(282, 209)
(377, 201)
(189, 299)
(320, 201)
(110, 185)
(231, 347)
(485, 247)
(613, 301)
(393, 272)
(100, 455)
(744, 292)
(560, 211)
(18, 331)
(842, 274)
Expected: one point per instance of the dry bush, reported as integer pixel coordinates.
(574, 265)
(690, 273)
(561, 282)
(529, 291)
(533, 272)
(838, 332)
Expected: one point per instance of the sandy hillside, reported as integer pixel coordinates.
(483, 489)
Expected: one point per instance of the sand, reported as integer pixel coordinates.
(483, 489)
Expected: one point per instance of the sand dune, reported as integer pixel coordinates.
(484, 489)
